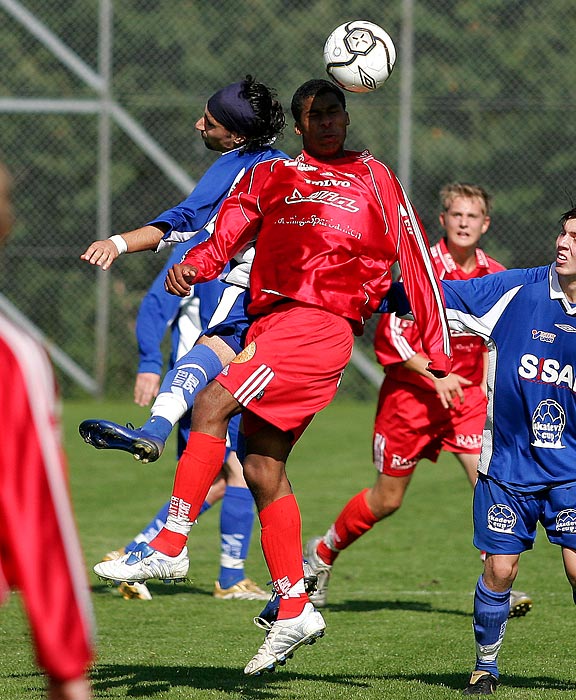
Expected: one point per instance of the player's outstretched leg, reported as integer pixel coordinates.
(144, 563)
(191, 373)
(284, 637)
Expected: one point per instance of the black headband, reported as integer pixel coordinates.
(233, 110)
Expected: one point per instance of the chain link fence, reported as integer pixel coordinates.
(98, 102)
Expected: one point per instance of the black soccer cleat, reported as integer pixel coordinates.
(481, 683)
(106, 435)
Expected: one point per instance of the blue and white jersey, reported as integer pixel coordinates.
(193, 219)
(198, 211)
(529, 326)
(186, 317)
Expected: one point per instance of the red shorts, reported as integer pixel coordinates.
(411, 424)
(291, 366)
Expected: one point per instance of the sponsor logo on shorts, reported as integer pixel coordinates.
(246, 354)
(399, 462)
(566, 520)
(469, 442)
(543, 336)
(501, 518)
(548, 423)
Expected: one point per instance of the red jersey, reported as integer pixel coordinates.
(397, 340)
(327, 235)
(39, 549)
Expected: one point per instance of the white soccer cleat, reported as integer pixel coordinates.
(284, 637)
(144, 563)
(320, 569)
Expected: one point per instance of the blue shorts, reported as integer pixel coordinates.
(229, 320)
(505, 520)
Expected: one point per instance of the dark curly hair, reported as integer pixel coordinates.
(270, 119)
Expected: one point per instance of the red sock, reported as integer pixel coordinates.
(197, 468)
(355, 519)
(282, 546)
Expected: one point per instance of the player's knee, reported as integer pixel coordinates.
(383, 505)
(500, 571)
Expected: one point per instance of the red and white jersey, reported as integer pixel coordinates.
(39, 548)
(327, 234)
(397, 340)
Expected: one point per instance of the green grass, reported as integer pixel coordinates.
(399, 619)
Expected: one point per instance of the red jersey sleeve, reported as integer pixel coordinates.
(236, 226)
(421, 282)
(396, 340)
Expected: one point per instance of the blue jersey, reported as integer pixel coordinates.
(199, 209)
(193, 217)
(529, 441)
(186, 317)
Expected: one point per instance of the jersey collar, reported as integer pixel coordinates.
(557, 293)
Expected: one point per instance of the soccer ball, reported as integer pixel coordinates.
(359, 56)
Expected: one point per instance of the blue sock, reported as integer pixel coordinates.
(149, 532)
(191, 373)
(236, 521)
(490, 617)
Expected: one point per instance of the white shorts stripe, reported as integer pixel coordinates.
(254, 384)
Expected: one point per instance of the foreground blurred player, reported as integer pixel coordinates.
(39, 549)
(241, 122)
(329, 226)
(418, 415)
(527, 469)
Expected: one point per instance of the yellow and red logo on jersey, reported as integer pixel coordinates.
(247, 354)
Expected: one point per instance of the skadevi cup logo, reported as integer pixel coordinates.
(501, 518)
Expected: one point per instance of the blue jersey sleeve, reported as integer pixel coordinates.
(200, 207)
(476, 305)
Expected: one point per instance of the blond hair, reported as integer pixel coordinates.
(464, 189)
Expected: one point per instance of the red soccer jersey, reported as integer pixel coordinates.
(327, 235)
(397, 340)
(39, 549)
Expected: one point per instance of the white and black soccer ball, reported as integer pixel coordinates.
(359, 56)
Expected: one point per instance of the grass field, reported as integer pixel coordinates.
(399, 618)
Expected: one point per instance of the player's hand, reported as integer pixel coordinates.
(180, 279)
(101, 253)
(450, 387)
(146, 388)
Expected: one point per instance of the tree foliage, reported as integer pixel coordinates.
(492, 98)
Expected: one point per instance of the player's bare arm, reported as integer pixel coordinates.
(103, 253)
(447, 387)
(180, 279)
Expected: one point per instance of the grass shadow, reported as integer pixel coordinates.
(366, 606)
(149, 681)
